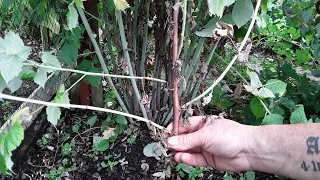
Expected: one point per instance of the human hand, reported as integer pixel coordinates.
(220, 143)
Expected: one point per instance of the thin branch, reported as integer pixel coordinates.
(145, 41)
(93, 74)
(14, 98)
(184, 20)
(244, 79)
(175, 71)
(100, 57)
(74, 84)
(127, 58)
(232, 61)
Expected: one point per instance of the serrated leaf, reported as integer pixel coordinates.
(216, 7)
(298, 116)
(152, 150)
(257, 108)
(72, 17)
(14, 137)
(68, 53)
(15, 84)
(254, 80)
(41, 77)
(121, 120)
(265, 93)
(121, 5)
(53, 114)
(93, 80)
(289, 103)
(62, 96)
(302, 56)
(272, 119)
(276, 86)
(242, 12)
(12, 54)
(11, 66)
(92, 121)
(50, 60)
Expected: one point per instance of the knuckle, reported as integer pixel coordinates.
(186, 140)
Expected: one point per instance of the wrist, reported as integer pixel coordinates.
(262, 150)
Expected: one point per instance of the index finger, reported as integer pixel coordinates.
(194, 123)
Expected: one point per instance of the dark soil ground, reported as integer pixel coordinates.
(85, 164)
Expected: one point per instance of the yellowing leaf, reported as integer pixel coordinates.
(121, 5)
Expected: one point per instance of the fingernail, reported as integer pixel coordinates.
(173, 141)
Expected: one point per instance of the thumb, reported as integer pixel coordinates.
(186, 141)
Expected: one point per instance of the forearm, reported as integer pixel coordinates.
(289, 150)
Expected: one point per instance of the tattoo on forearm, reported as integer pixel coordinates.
(312, 149)
(315, 166)
(313, 145)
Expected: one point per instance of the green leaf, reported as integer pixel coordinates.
(287, 103)
(318, 29)
(7, 3)
(41, 77)
(68, 53)
(62, 96)
(103, 145)
(294, 33)
(302, 56)
(103, 164)
(265, 93)
(2, 84)
(53, 114)
(207, 30)
(50, 60)
(93, 80)
(79, 3)
(110, 5)
(306, 16)
(66, 148)
(75, 128)
(227, 18)
(298, 116)
(272, 119)
(151, 150)
(3, 168)
(14, 137)
(254, 80)
(12, 54)
(72, 17)
(228, 177)
(51, 22)
(228, 2)
(84, 65)
(256, 108)
(15, 84)
(242, 12)
(121, 120)
(276, 86)
(250, 175)
(216, 7)
(92, 121)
